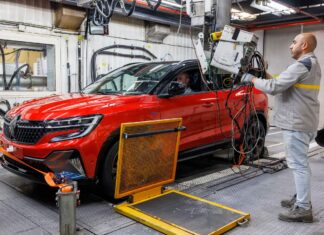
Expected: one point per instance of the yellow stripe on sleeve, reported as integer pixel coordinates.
(307, 86)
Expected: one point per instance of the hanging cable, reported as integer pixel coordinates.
(127, 12)
(15, 74)
(148, 55)
(4, 75)
(154, 7)
(255, 66)
(103, 10)
(180, 18)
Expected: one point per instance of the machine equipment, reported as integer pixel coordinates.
(232, 53)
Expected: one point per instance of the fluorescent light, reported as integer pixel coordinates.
(272, 7)
(172, 4)
(241, 15)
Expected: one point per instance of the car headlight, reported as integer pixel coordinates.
(81, 126)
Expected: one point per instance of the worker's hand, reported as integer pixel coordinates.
(268, 76)
(247, 78)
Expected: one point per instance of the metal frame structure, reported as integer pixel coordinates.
(165, 211)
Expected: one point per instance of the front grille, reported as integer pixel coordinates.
(26, 132)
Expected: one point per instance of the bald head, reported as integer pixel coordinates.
(302, 44)
(310, 40)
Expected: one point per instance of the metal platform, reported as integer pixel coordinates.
(156, 144)
(29, 208)
(175, 212)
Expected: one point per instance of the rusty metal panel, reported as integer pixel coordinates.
(147, 157)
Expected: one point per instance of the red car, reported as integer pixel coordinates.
(76, 135)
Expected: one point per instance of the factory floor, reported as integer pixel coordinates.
(29, 208)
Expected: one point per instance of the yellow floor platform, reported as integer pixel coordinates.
(147, 160)
(178, 213)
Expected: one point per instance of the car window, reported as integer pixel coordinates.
(219, 79)
(191, 79)
(132, 79)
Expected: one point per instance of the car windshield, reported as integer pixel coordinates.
(130, 79)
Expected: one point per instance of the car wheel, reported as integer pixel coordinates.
(109, 171)
(254, 139)
(2, 114)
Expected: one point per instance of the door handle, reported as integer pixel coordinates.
(207, 105)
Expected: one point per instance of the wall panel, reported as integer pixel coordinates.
(35, 12)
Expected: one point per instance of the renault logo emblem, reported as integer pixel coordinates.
(13, 126)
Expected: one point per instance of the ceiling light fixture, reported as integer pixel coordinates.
(272, 7)
(241, 15)
(172, 4)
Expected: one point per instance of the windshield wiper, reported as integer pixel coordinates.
(134, 93)
(107, 93)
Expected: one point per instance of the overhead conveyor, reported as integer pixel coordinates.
(147, 161)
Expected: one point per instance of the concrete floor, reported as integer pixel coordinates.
(28, 208)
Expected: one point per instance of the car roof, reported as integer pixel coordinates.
(186, 62)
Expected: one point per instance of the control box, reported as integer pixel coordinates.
(234, 50)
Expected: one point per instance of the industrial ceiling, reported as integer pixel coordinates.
(302, 13)
(307, 12)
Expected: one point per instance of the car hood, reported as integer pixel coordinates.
(69, 105)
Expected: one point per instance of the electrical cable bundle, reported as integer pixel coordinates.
(104, 9)
(248, 142)
(154, 7)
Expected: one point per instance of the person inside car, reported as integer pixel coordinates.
(184, 78)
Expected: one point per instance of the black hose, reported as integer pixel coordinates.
(68, 67)
(103, 51)
(4, 75)
(131, 9)
(15, 74)
(86, 33)
(154, 7)
(103, 12)
(79, 65)
(6, 86)
(126, 55)
(5, 102)
(260, 70)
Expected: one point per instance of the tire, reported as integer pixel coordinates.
(2, 113)
(109, 170)
(253, 139)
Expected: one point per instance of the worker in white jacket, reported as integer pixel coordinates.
(297, 114)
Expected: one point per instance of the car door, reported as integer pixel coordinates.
(198, 111)
(231, 110)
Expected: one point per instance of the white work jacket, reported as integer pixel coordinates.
(296, 90)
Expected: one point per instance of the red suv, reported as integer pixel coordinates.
(76, 135)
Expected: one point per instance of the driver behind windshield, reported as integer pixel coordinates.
(184, 78)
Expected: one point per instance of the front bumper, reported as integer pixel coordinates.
(88, 149)
(66, 165)
(21, 170)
